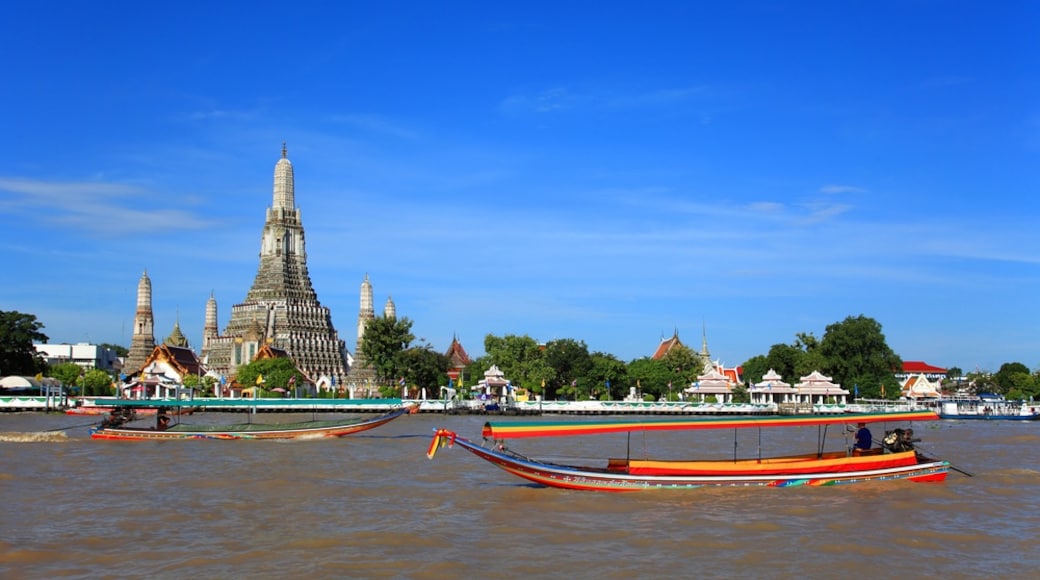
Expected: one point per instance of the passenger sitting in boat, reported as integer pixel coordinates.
(162, 421)
(864, 438)
(114, 419)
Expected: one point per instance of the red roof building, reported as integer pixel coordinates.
(457, 354)
(458, 358)
(916, 367)
(666, 345)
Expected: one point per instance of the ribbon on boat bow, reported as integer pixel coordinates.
(441, 437)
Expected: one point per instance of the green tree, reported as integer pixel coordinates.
(518, 357)
(425, 368)
(384, 340)
(653, 377)
(191, 381)
(855, 353)
(1024, 386)
(570, 362)
(741, 394)
(685, 365)
(1010, 376)
(812, 357)
(787, 360)
(607, 377)
(97, 383)
(806, 341)
(68, 373)
(209, 384)
(276, 373)
(755, 368)
(536, 372)
(18, 332)
(981, 382)
(204, 386)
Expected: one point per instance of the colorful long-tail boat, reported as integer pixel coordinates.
(114, 430)
(628, 474)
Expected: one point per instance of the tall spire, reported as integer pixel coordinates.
(284, 188)
(281, 308)
(704, 354)
(210, 330)
(283, 229)
(362, 374)
(142, 343)
(367, 311)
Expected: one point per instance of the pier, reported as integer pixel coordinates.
(446, 406)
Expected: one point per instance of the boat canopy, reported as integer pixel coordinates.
(522, 429)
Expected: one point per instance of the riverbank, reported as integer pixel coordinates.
(444, 406)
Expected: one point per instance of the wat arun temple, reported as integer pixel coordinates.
(281, 309)
(281, 314)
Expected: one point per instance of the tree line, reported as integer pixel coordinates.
(853, 352)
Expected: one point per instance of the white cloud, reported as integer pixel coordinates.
(835, 189)
(107, 208)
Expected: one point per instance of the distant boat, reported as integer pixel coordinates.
(630, 474)
(988, 406)
(138, 411)
(299, 430)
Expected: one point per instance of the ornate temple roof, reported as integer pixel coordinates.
(177, 337)
(666, 345)
(712, 382)
(816, 383)
(182, 359)
(456, 354)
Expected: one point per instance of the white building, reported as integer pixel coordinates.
(710, 387)
(772, 390)
(88, 356)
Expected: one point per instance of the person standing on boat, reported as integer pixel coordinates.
(864, 438)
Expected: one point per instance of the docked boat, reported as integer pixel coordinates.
(138, 411)
(631, 474)
(988, 406)
(115, 429)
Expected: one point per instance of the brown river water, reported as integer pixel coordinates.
(372, 505)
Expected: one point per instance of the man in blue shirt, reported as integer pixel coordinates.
(864, 439)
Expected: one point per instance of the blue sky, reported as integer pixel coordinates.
(605, 171)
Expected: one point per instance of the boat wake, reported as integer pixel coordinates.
(33, 437)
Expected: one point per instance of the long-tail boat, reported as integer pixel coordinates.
(630, 474)
(114, 430)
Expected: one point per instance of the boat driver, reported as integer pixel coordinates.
(115, 419)
(908, 440)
